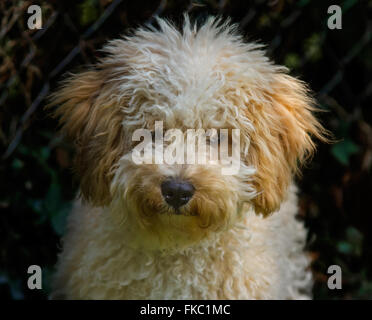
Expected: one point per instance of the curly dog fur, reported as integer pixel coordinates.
(237, 237)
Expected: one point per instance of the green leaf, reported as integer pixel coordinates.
(347, 4)
(17, 164)
(89, 12)
(303, 3)
(313, 47)
(58, 219)
(344, 247)
(15, 286)
(53, 198)
(56, 209)
(47, 279)
(45, 153)
(343, 150)
(354, 235)
(36, 205)
(292, 60)
(353, 244)
(355, 238)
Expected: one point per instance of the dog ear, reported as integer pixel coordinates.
(282, 140)
(90, 116)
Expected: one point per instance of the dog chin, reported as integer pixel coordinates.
(145, 228)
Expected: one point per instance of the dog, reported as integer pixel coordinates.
(155, 230)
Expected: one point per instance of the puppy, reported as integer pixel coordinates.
(185, 230)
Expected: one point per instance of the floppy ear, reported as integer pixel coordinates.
(90, 116)
(282, 140)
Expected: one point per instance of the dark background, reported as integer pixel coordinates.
(36, 185)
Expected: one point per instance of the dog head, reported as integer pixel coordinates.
(198, 78)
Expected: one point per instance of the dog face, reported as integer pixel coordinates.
(200, 78)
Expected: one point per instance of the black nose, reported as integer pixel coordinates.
(177, 193)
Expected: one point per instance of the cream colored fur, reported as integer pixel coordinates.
(231, 240)
(260, 258)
